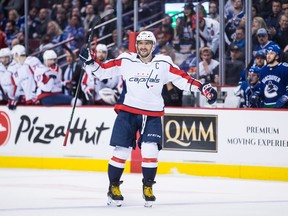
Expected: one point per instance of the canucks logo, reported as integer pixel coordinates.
(270, 90)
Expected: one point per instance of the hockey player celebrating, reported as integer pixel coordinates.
(140, 108)
(273, 81)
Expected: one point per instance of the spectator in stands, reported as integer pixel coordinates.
(233, 19)
(43, 18)
(213, 11)
(61, 18)
(13, 15)
(209, 34)
(284, 8)
(186, 30)
(240, 38)
(72, 75)
(76, 11)
(33, 22)
(144, 12)
(254, 11)
(89, 11)
(265, 8)
(280, 34)
(263, 40)
(76, 31)
(17, 5)
(98, 6)
(45, 43)
(273, 81)
(3, 19)
(108, 28)
(233, 66)
(55, 32)
(207, 66)
(166, 28)
(161, 41)
(11, 31)
(67, 6)
(272, 20)
(201, 10)
(257, 23)
(127, 20)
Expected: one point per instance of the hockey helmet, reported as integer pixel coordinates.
(19, 49)
(102, 47)
(254, 69)
(275, 48)
(260, 53)
(5, 52)
(146, 35)
(49, 54)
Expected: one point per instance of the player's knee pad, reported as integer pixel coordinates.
(149, 153)
(119, 157)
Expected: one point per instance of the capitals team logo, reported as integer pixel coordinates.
(5, 128)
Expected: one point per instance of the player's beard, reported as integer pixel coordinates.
(271, 60)
(144, 54)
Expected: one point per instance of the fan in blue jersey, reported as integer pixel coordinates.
(250, 87)
(273, 81)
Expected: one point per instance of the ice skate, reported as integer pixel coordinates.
(114, 194)
(148, 193)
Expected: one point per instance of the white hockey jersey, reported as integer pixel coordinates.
(24, 77)
(210, 35)
(7, 83)
(13, 91)
(48, 81)
(91, 82)
(143, 83)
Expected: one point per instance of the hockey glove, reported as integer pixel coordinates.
(85, 56)
(282, 101)
(254, 100)
(209, 92)
(12, 104)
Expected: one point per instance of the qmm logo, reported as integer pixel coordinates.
(5, 128)
(190, 132)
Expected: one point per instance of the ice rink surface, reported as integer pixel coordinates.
(26, 192)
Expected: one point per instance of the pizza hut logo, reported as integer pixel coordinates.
(5, 128)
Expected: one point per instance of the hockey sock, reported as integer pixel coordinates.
(149, 173)
(114, 173)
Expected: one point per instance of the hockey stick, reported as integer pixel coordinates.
(95, 21)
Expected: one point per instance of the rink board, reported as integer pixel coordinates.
(235, 143)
